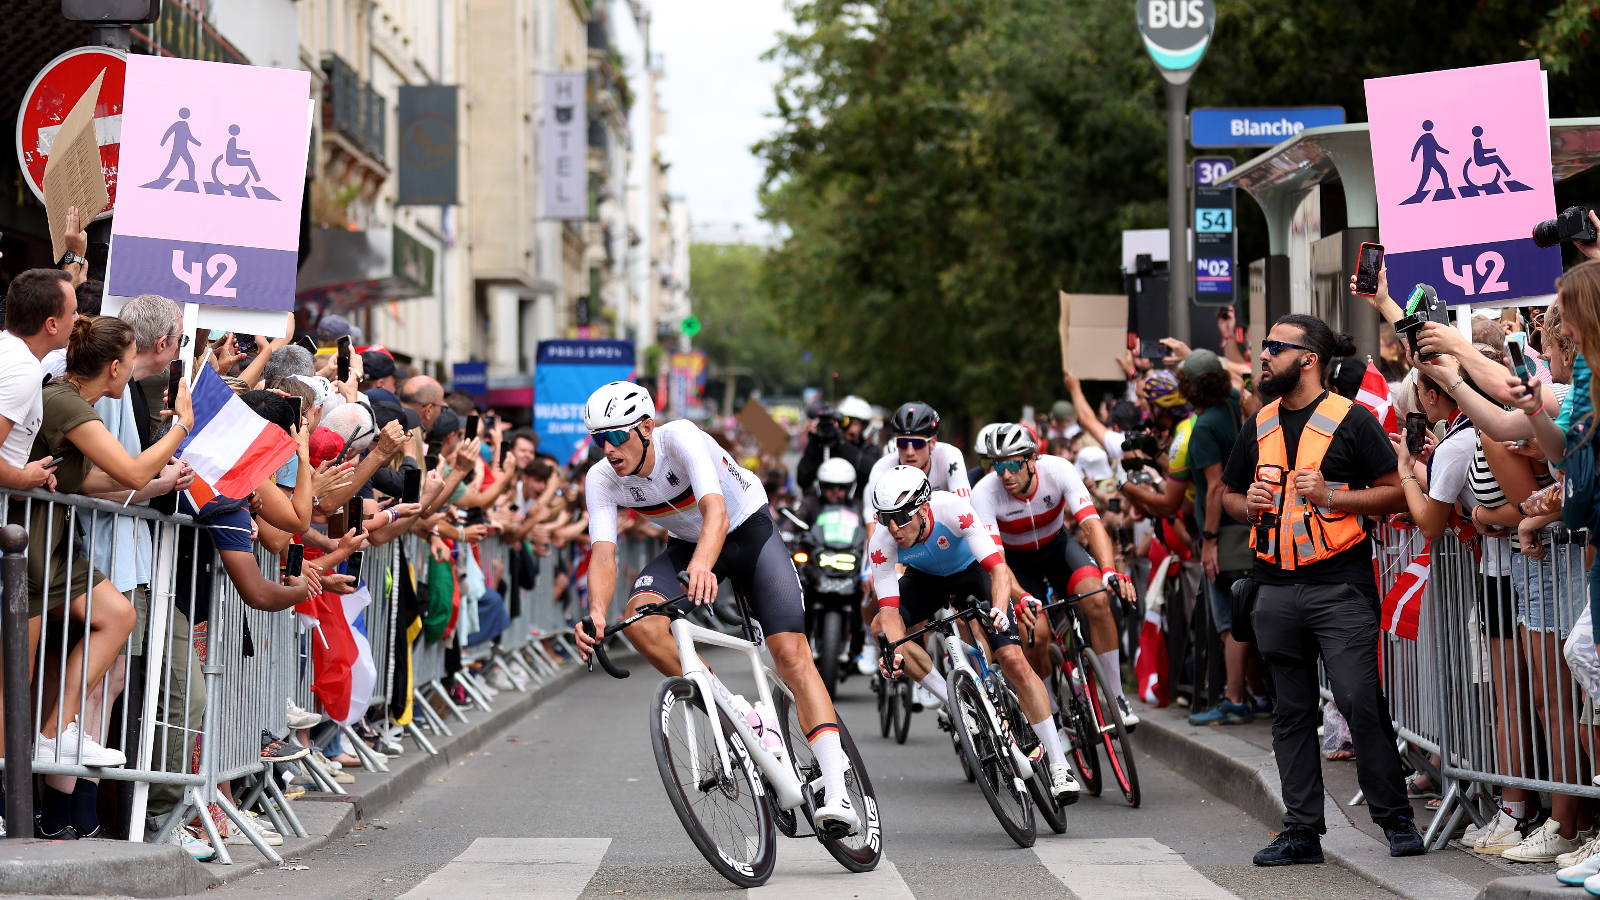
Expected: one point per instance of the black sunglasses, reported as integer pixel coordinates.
(899, 518)
(1273, 348)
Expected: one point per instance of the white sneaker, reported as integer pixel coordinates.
(236, 835)
(1587, 846)
(838, 813)
(1582, 870)
(302, 718)
(1503, 834)
(500, 681)
(1473, 835)
(76, 746)
(1543, 845)
(192, 844)
(1130, 719)
(1065, 788)
(922, 698)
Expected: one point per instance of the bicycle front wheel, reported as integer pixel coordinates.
(1039, 787)
(989, 755)
(884, 690)
(859, 852)
(728, 818)
(1119, 753)
(902, 709)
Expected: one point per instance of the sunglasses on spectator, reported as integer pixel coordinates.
(898, 518)
(615, 438)
(1273, 348)
(1004, 466)
(910, 443)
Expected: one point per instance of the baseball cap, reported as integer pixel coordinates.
(325, 445)
(376, 364)
(1202, 362)
(1062, 410)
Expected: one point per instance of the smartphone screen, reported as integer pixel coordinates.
(356, 515)
(472, 427)
(1519, 362)
(1368, 266)
(293, 558)
(344, 358)
(305, 341)
(299, 413)
(1153, 350)
(245, 343)
(1416, 424)
(411, 485)
(352, 566)
(174, 376)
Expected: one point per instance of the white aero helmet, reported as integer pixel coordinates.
(856, 408)
(901, 489)
(1012, 440)
(836, 471)
(620, 404)
(980, 444)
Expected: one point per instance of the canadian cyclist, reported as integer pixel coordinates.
(715, 514)
(1024, 502)
(949, 554)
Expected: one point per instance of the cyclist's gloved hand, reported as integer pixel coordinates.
(998, 620)
(884, 666)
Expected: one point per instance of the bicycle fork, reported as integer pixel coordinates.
(1019, 761)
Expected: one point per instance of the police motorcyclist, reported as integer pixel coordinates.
(836, 486)
(841, 432)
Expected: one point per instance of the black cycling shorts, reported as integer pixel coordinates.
(1058, 563)
(754, 558)
(922, 595)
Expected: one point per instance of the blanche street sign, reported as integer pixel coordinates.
(1257, 127)
(1176, 33)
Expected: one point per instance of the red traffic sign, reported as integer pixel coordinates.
(53, 93)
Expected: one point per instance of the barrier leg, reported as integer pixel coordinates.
(474, 689)
(1437, 836)
(242, 822)
(370, 760)
(212, 835)
(275, 791)
(444, 695)
(435, 721)
(422, 741)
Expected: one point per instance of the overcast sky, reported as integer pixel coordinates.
(717, 93)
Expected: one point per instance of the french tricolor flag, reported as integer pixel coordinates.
(231, 449)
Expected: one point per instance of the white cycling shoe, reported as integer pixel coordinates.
(837, 816)
(1065, 788)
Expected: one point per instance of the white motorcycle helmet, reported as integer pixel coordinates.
(836, 471)
(620, 404)
(980, 444)
(902, 489)
(856, 408)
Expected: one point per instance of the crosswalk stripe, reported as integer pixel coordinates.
(523, 868)
(806, 871)
(1125, 869)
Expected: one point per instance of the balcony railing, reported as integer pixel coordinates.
(351, 107)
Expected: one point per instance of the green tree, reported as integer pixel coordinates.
(740, 325)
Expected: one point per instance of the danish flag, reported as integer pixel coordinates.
(1374, 395)
(1402, 606)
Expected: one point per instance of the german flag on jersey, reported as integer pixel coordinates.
(684, 502)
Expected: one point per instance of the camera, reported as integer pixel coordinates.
(828, 422)
(1571, 226)
(1142, 475)
(1422, 307)
(1143, 441)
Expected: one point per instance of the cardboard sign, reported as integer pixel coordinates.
(213, 168)
(773, 438)
(1461, 160)
(1094, 331)
(72, 174)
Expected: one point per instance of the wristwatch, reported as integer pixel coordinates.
(69, 258)
(1208, 535)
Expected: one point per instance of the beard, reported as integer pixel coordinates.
(1275, 385)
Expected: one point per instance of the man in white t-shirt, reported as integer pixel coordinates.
(41, 308)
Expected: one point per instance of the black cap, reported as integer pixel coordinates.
(443, 426)
(386, 411)
(376, 364)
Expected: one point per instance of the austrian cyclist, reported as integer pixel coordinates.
(1024, 502)
(948, 554)
(715, 514)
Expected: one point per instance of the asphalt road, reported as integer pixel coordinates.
(567, 805)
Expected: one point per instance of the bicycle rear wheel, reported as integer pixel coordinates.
(1044, 800)
(1078, 736)
(990, 758)
(729, 819)
(1119, 753)
(902, 709)
(859, 852)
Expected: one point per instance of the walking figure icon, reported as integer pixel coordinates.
(179, 134)
(1430, 149)
(238, 159)
(1486, 158)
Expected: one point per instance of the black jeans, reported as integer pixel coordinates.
(1294, 624)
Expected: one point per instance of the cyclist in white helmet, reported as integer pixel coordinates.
(715, 514)
(948, 556)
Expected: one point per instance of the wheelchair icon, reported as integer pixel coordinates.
(237, 159)
(1485, 158)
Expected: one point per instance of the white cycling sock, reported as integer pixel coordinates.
(1054, 706)
(934, 684)
(1051, 739)
(1111, 666)
(824, 741)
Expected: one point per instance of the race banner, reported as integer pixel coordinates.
(565, 374)
(1461, 160)
(212, 170)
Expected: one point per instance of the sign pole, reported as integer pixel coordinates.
(1178, 265)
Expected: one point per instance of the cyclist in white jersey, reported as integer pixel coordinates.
(915, 427)
(1024, 502)
(715, 514)
(948, 556)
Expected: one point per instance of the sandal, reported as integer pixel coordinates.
(1414, 792)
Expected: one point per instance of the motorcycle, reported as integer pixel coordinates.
(828, 556)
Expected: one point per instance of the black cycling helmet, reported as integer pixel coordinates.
(915, 418)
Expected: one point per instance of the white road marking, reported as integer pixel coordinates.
(1125, 869)
(806, 871)
(524, 868)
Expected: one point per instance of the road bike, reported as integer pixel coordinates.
(894, 706)
(988, 747)
(1087, 714)
(730, 790)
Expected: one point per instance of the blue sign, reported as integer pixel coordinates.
(471, 377)
(565, 374)
(1480, 273)
(1213, 276)
(1213, 221)
(1265, 127)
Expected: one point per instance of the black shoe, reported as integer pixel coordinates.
(1295, 846)
(1403, 837)
(67, 833)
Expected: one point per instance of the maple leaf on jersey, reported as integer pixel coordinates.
(878, 558)
(964, 521)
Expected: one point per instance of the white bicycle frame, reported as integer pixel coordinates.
(775, 767)
(956, 648)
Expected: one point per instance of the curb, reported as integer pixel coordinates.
(1246, 776)
(126, 869)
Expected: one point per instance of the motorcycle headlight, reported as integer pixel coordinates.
(800, 557)
(844, 562)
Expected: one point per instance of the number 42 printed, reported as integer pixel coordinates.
(221, 262)
(1490, 264)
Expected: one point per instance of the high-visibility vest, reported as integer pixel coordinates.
(1313, 532)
